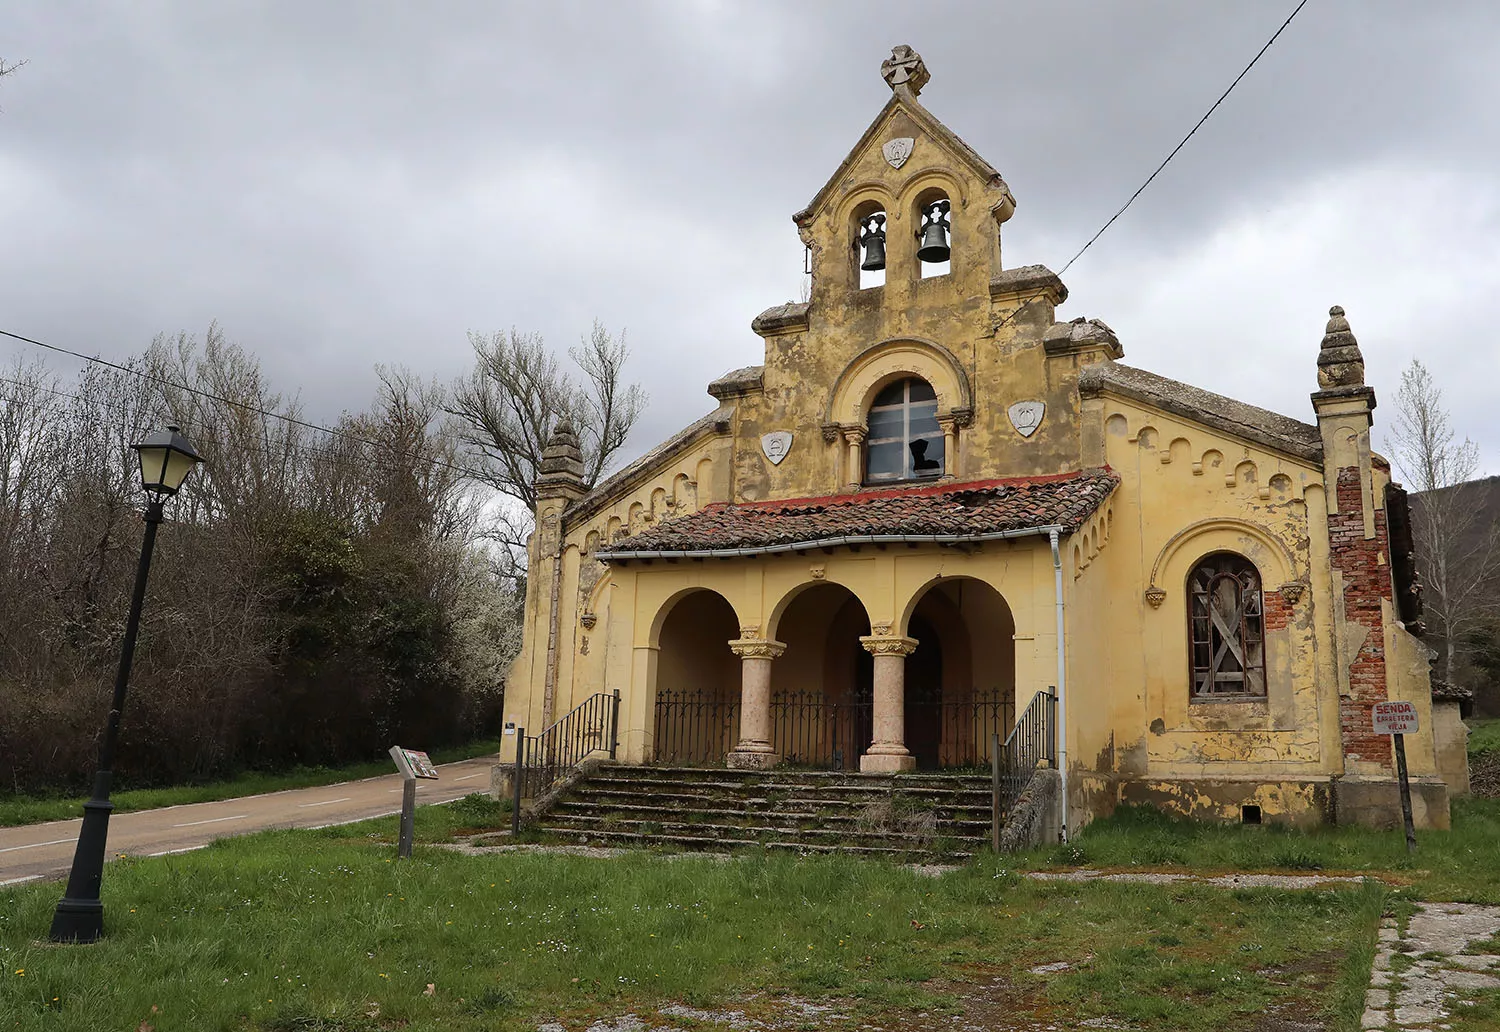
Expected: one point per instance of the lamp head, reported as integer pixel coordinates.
(166, 460)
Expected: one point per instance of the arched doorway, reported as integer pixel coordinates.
(821, 686)
(960, 681)
(697, 702)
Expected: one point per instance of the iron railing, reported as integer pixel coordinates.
(1032, 743)
(810, 729)
(695, 726)
(593, 726)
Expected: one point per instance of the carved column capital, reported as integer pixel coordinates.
(756, 648)
(888, 644)
(855, 434)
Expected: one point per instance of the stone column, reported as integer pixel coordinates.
(888, 750)
(755, 751)
(854, 472)
(949, 423)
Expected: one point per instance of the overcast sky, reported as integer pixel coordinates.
(340, 184)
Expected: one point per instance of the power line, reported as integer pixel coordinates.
(245, 406)
(1183, 142)
(270, 451)
(1165, 162)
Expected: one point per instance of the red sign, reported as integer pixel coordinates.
(1394, 718)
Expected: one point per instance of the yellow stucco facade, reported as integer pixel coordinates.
(619, 600)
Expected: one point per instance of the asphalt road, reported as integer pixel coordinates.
(40, 851)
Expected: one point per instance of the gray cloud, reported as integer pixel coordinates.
(346, 183)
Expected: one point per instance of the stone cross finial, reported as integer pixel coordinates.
(904, 70)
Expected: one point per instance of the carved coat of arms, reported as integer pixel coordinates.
(776, 444)
(1026, 416)
(898, 150)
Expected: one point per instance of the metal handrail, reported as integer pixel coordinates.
(542, 760)
(1031, 744)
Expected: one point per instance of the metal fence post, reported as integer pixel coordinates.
(614, 725)
(518, 781)
(995, 792)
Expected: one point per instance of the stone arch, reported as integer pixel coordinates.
(778, 610)
(924, 183)
(1196, 540)
(822, 685)
(895, 359)
(696, 685)
(961, 680)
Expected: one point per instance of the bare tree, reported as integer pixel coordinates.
(1458, 550)
(518, 391)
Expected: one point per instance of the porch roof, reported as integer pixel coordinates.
(944, 513)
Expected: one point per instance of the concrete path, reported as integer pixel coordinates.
(38, 851)
(1422, 975)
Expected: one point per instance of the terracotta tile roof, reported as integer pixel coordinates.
(948, 511)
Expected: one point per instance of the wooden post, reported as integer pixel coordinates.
(995, 792)
(408, 818)
(1411, 832)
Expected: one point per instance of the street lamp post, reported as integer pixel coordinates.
(166, 459)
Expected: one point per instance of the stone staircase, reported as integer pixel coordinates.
(894, 815)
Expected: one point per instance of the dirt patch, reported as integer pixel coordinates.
(1484, 775)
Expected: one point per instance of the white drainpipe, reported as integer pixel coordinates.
(1062, 677)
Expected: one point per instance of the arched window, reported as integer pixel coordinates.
(1225, 628)
(905, 441)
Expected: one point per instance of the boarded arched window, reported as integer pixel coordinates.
(1225, 628)
(905, 439)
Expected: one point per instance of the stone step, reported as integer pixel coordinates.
(725, 776)
(812, 811)
(689, 790)
(696, 842)
(757, 832)
(979, 815)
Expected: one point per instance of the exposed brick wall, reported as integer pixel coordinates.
(1366, 582)
(1277, 613)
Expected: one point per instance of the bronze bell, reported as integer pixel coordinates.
(934, 234)
(872, 236)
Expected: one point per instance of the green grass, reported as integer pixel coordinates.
(15, 810)
(1448, 865)
(322, 930)
(326, 930)
(1484, 737)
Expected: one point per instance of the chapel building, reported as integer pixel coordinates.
(935, 502)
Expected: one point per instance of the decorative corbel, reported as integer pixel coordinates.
(1291, 592)
(1156, 596)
